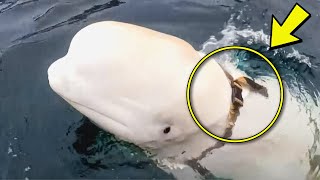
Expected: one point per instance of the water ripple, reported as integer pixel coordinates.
(73, 19)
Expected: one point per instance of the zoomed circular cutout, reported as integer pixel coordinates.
(243, 139)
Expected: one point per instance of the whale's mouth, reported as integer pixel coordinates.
(59, 83)
(95, 111)
(104, 121)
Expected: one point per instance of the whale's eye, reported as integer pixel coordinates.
(167, 130)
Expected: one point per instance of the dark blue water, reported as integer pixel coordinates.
(41, 136)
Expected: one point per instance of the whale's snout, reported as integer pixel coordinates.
(53, 81)
(57, 76)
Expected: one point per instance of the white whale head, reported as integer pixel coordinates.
(131, 81)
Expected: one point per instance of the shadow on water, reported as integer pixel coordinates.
(99, 150)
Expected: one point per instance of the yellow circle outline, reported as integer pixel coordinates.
(235, 140)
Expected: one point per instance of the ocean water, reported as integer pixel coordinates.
(41, 136)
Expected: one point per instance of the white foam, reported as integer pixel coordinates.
(302, 58)
(231, 36)
(28, 168)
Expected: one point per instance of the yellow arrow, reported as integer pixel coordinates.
(281, 35)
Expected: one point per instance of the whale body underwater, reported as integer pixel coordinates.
(131, 81)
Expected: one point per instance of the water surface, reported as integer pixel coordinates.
(41, 136)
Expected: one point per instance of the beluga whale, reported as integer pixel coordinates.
(131, 81)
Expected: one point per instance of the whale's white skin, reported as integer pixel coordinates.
(282, 153)
(131, 81)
